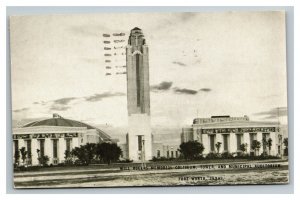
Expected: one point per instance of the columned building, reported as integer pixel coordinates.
(53, 137)
(231, 132)
(139, 140)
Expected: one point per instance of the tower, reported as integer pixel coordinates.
(138, 97)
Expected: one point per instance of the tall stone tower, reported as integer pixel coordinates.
(139, 138)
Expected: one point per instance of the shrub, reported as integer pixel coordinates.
(125, 161)
(155, 159)
(191, 149)
(43, 160)
(242, 155)
(212, 155)
(226, 155)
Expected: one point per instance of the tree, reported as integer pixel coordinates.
(191, 149)
(218, 146)
(91, 150)
(269, 144)
(286, 144)
(244, 147)
(108, 152)
(255, 146)
(43, 160)
(68, 157)
(23, 154)
(67, 154)
(85, 153)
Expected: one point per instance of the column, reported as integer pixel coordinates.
(205, 143)
(199, 135)
(194, 131)
(34, 154)
(75, 142)
(259, 139)
(49, 149)
(219, 138)
(247, 141)
(273, 147)
(232, 143)
(148, 147)
(61, 149)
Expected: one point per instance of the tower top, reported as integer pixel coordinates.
(136, 37)
(136, 28)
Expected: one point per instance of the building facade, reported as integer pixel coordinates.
(231, 132)
(53, 137)
(139, 141)
(161, 150)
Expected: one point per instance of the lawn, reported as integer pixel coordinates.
(112, 176)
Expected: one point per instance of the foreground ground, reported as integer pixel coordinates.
(161, 174)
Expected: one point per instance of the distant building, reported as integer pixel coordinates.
(159, 150)
(232, 132)
(52, 137)
(167, 151)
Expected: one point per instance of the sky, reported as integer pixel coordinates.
(201, 64)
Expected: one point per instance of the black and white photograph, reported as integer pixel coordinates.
(149, 99)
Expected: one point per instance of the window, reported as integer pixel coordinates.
(55, 148)
(252, 137)
(28, 146)
(42, 147)
(16, 152)
(265, 137)
(16, 143)
(140, 142)
(212, 142)
(68, 144)
(238, 141)
(176, 154)
(158, 153)
(172, 154)
(168, 154)
(225, 142)
(137, 65)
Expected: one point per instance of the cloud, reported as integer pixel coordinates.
(179, 63)
(20, 110)
(205, 89)
(40, 103)
(274, 113)
(185, 91)
(63, 101)
(61, 104)
(87, 31)
(186, 16)
(99, 97)
(56, 107)
(163, 86)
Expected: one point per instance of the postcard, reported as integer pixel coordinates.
(149, 99)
